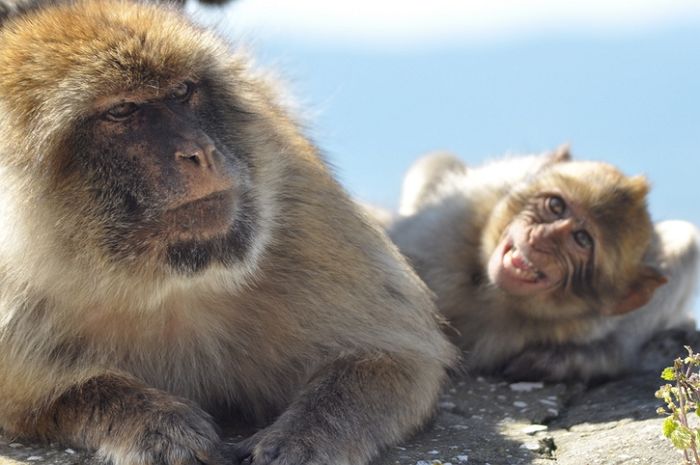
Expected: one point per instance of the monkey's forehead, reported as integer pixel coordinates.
(82, 50)
(597, 184)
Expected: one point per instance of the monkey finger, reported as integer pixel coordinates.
(243, 450)
(286, 453)
(527, 367)
(210, 458)
(277, 448)
(242, 456)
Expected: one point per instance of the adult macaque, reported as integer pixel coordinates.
(13, 7)
(173, 245)
(546, 267)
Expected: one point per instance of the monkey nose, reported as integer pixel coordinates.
(201, 156)
(563, 227)
(543, 234)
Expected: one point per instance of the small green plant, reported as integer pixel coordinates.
(682, 403)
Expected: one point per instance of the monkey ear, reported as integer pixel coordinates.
(638, 187)
(640, 291)
(561, 153)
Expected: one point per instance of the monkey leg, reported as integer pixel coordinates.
(348, 411)
(128, 423)
(675, 251)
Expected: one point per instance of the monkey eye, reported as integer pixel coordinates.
(121, 111)
(583, 239)
(181, 92)
(556, 205)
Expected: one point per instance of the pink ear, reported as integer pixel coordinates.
(639, 293)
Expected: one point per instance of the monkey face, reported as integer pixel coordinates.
(140, 148)
(164, 179)
(186, 181)
(548, 246)
(575, 233)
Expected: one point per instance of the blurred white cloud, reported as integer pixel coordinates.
(413, 21)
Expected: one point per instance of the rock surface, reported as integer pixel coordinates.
(484, 421)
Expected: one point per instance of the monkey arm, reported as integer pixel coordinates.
(584, 362)
(349, 410)
(124, 421)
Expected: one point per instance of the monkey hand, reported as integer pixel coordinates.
(348, 411)
(274, 446)
(564, 362)
(174, 434)
(129, 423)
(532, 364)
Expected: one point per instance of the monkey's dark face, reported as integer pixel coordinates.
(141, 136)
(548, 246)
(166, 179)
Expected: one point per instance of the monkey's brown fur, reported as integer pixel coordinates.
(317, 327)
(571, 331)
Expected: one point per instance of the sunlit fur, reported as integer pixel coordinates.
(560, 334)
(322, 296)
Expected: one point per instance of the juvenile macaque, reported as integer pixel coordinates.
(173, 245)
(546, 267)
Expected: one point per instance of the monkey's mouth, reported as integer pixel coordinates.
(515, 261)
(202, 218)
(515, 272)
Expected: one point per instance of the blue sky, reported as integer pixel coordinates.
(383, 81)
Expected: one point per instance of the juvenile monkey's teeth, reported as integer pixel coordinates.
(523, 259)
(521, 266)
